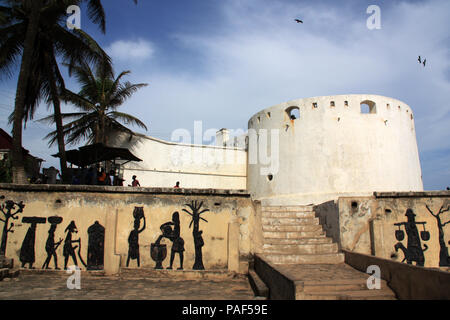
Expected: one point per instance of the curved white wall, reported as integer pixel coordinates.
(334, 150)
(195, 166)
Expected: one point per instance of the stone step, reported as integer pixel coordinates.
(290, 221)
(6, 263)
(8, 273)
(259, 287)
(283, 228)
(3, 273)
(338, 285)
(280, 258)
(315, 240)
(293, 235)
(294, 249)
(382, 294)
(288, 214)
(288, 208)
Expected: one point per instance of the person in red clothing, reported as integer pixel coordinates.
(102, 177)
(177, 185)
(135, 182)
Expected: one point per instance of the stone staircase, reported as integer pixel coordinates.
(7, 268)
(296, 247)
(293, 235)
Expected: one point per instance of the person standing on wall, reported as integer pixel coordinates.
(177, 185)
(102, 177)
(135, 182)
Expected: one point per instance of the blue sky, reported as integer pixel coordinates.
(221, 61)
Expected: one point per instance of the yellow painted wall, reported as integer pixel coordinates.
(114, 211)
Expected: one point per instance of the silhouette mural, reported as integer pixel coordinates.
(413, 251)
(27, 252)
(444, 259)
(133, 239)
(96, 246)
(195, 207)
(69, 249)
(159, 251)
(7, 209)
(50, 245)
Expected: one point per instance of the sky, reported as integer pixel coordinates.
(221, 61)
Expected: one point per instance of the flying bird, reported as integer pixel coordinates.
(424, 62)
(420, 60)
(298, 21)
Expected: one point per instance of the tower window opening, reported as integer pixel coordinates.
(388, 106)
(268, 115)
(314, 105)
(368, 107)
(346, 103)
(293, 112)
(270, 177)
(332, 104)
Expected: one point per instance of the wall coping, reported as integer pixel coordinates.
(412, 194)
(125, 190)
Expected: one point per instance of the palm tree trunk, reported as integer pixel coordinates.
(18, 161)
(58, 118)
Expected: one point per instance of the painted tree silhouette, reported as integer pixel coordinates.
(198, 240)
(7, 208)
(444, 259)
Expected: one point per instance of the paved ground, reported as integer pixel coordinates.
(53, 286)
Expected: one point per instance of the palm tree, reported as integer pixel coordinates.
(20, 23)
(100, 96)
(52, 40)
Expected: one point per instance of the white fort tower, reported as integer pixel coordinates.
(332, 146)
(299, 152)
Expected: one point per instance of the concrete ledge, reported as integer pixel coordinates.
(412, 194)
(148, 273)
(407, 281)
(281, 286)
(111, 189)
(61, 272)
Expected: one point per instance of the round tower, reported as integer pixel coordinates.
(316, 149)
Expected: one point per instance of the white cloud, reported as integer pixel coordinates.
(131, 50)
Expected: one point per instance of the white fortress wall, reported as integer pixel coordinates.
(333, 149)
(195, 166)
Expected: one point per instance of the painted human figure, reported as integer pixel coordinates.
(69, 250)
(27, 254)
(414, 250)
(198, 243)
(96, 234)
(50, 248)
(133, 239)
(174, 236)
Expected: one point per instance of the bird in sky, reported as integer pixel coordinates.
(420, 60)
(424, 62)
(298, 21)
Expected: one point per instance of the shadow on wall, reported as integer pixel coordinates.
(328, 214)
